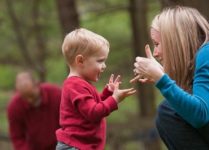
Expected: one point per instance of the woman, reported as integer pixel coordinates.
(181, 40)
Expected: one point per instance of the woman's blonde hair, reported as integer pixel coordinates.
(183, 31)
(155, 23)
(84, 42)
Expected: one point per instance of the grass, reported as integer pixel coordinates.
(4, 99)
(127, 107)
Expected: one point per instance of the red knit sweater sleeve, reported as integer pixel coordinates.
(16, 127)
(89, 103)
(96, 111)
(105, 93)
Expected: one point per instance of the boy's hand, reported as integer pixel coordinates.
(120, 95)
(113, 83)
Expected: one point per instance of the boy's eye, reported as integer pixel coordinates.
(101, 61)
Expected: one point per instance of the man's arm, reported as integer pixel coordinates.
(17, 128)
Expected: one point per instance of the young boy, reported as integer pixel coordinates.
(83, 109)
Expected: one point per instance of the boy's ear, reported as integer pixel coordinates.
(79, 59)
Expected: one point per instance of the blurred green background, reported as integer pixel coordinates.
(31, 34)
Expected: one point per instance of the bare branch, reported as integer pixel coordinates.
(103, 10)
(19, 36)
(13, 62)
(40, 42)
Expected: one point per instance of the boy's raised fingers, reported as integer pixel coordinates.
(117, 79)
(111, 78)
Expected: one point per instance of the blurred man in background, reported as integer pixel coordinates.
(33, 114)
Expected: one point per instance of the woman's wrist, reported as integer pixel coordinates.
(158, 76)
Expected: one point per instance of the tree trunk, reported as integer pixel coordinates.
(40, 42)
(201, 5)
(138, 11)
(68, 15)
(140, 39)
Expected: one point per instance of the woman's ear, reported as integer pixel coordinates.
(79, 59)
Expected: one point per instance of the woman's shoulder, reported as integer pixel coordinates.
(202, 56)
(204, 48)
(203, 52)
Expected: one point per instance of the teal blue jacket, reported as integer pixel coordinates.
(194, 108)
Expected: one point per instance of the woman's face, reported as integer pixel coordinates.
(155, 36)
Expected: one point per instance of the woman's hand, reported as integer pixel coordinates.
(147, 69)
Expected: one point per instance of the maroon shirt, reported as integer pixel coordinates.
(33, 128)
(82, 114)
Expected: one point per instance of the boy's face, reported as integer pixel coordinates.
(94, 65)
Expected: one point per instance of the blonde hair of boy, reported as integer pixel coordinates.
(183, 31)
(84, 42)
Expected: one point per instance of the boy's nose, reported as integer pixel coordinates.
(103, 66)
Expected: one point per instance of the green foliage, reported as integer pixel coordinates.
(4, 122)
(113, 25)
(127, 107)
(7, 77)
(57, 70)
(7, 38)
(153, 9)
(4, 99)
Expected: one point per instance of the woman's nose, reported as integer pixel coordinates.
(155, 52)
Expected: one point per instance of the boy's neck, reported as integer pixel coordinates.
(73, 72)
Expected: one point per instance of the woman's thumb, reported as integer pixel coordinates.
(148, 52)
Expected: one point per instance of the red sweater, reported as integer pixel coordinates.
(33, 128)
(82, 115)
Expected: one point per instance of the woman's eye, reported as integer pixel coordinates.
(156, 44)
